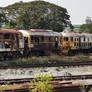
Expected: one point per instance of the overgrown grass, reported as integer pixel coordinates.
(52, 59)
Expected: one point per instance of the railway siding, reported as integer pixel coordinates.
(60, 82)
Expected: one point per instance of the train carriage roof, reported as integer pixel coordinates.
(41, 32)
(13, 31)
(86, 34)
(72, 34)
(69, 34)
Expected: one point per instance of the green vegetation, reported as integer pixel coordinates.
(2, 91)
(49, 60)
(36, 15)
(3, 19)
(6, 85)
(83, 88)
(33, 60)
(86, 28)
(90, 90)
(41, 84)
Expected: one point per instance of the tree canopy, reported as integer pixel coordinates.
(37, 15)
(86, 28)
(3, 19)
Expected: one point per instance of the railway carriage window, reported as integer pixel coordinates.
(84, 39)
(49, 38)
(91, 44)
(74, 44)
(1, 36)
(6, 36)
(77, 39)
(66, 39)
(26, 39)
(88, 39)
(37, 39)
(7, 44)
(42, 38)
(32, 38)
(71, 38)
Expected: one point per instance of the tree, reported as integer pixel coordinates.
(86, 28)
(3, 19)
(39, 15)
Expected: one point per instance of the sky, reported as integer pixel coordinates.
(77, 9)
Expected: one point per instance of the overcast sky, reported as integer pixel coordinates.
(77, 9)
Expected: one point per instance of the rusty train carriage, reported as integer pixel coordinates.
(74, 42)
(11, 43)
(66, 42)
(26, 42)
(43, 41)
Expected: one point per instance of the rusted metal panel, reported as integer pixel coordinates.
(9, 39)
(13, 31)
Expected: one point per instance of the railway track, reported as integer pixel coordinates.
(57, 78)
(58, 87)
(50, 64)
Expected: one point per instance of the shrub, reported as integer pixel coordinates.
(41, 84)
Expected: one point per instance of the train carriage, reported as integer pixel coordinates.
(69, 41)
(86, 42)
(10, 40)
(43, 41)
(16, 43)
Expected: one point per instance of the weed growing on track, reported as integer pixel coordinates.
(83, 88)
(2, 91)
(41, 84)
(90, 90)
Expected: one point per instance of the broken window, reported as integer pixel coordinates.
(66, 39)
(6, 36)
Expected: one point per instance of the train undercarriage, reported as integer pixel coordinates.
(9, 55)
